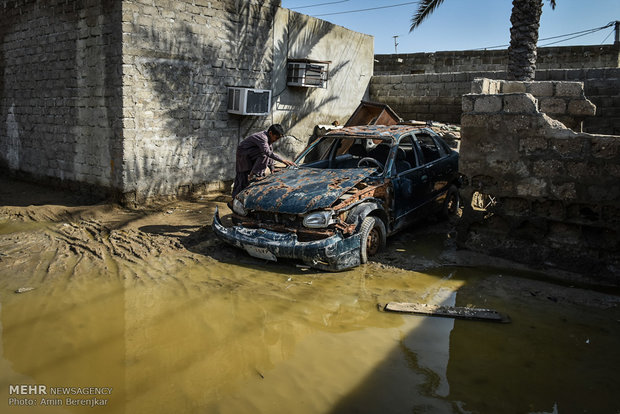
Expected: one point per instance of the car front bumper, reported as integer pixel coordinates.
(332, 253)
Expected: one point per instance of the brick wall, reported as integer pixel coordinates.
(538, 192)
(179, 58)
(569, 57)
(438, 96)
(561, 100)
(425, 97)
(60, 90)
(130, 97)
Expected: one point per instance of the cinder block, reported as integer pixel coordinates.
(480, 86)
(540, 89)
(531, 145)
(488, 104)
(552, 105)
(581, 108)
(513, 87)
(532, 187)
(569, 89)
(520, 103)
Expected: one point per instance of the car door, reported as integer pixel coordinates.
(440, 170)
(410, 182)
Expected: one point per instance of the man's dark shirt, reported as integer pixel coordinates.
(253, 153)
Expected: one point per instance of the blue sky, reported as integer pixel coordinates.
(462, 24)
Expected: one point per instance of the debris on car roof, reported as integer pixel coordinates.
(373, 113)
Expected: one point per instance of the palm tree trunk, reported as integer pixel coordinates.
(525, 21)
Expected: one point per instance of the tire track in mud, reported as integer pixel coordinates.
(82, 247)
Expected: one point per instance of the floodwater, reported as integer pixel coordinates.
(185, 333)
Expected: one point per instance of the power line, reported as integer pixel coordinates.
(578, 34)
(363, 10)
(609, 34)
(320, 4)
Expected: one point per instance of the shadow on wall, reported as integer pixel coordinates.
(300, 38)
(186, 135)
(61, 92)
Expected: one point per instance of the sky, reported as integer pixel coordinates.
(463, 24)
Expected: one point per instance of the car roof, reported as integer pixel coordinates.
(383, 132)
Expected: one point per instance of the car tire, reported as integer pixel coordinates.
(372, 238)
(452, 203)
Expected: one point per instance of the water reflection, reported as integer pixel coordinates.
(188, 334)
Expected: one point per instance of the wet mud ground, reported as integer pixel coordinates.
(150, 303)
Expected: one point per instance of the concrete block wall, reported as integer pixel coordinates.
(426, 97)
(564, 57)
(60, 91)
(130, 97)
(602, 87)
(438, 96)
(350, 55)
(538, 192)
(561, 100)
(179, 58)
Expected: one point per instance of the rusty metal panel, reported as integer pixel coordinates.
(297, 191)
(382, 132)
(372, 113)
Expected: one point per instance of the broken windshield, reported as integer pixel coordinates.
(346, 152)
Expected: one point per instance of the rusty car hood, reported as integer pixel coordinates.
(297, 191)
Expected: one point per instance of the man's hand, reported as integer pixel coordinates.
(288, 163)
(255, 177)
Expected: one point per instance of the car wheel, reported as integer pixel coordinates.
(372, 239)
(452, 203)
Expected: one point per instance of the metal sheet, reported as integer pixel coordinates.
(297, 191)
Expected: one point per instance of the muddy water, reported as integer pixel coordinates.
(175, 331)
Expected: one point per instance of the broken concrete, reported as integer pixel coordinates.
(538, 192)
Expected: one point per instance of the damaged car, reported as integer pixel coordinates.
(353, 187)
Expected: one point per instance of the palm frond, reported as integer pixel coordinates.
(552, 3)
(425, 8)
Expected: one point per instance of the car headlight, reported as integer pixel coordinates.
(238, 208)
(318, 219)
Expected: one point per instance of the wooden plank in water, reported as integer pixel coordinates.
(448, 311)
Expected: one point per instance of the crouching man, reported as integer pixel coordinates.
(255, 154)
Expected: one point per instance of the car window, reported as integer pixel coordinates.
(443, 144)
(430, 150)
(406, 155)
(319, 151)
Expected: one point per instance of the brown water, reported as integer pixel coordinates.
(183, 333)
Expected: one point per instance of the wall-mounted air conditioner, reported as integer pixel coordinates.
(247, 101)
(307, 73)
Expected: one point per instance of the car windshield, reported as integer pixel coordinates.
(346, 152)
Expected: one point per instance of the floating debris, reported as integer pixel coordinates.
(448, 311)
(24, 289)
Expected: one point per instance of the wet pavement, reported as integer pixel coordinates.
(153, 307)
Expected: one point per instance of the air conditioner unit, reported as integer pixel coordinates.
(309, 75)
(247, 101)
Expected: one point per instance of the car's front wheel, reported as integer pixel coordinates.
(372, 239)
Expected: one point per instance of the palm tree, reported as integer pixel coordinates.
(525, 19)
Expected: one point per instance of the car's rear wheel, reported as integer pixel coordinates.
(372, 239)
(452, 203)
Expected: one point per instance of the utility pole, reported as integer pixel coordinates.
(617, 41)
(396, 37)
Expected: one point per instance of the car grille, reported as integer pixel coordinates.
(291, 220)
